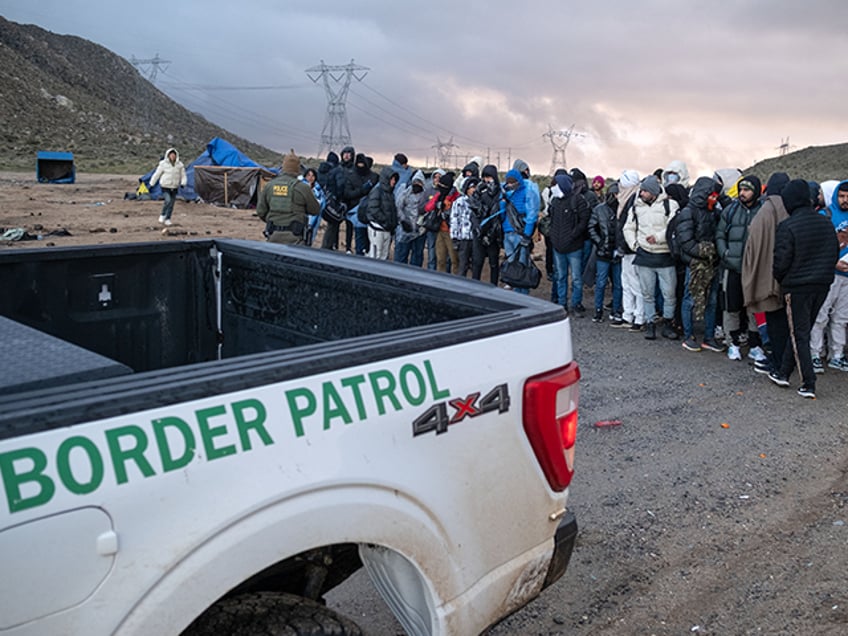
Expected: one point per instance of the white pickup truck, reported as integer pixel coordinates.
(204, 437)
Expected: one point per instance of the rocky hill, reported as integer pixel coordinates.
(60, 92)
(818, 163)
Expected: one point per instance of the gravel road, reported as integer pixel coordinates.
(686, 525)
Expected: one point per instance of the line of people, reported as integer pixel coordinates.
(724, 264)
(767, 267)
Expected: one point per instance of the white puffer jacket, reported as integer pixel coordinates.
(169, 175)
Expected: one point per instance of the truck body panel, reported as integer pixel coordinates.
(386, 414)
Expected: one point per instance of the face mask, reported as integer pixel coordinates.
(509, 187)
(417, 187)
(672, 177)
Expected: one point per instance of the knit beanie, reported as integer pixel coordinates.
(751, 182)
(652, 185)
(796, 195)
(468, 183)
(291, 163)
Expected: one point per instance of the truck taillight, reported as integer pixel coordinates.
(550, 421)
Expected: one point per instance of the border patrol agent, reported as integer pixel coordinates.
(285, 204)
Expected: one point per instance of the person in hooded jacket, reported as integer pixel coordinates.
(462, 225)
(696, 230)
(442, 202)
(569, 214)
(731, 235)
(833, 314)
(805, 252)
(382, 214)
(519, 220)
(489, 239)
(678, 193)
(409, 235)
(602, 231)
(337, 177)
(645, 233)
(581, 187)
(358, 183)
(631, 290)
(431, 189)
(400, 164)
(760, 289)
(676, 172)
(170, 174)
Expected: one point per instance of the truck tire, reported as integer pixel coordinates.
(271, 614)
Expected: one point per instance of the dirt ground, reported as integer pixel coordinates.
(94, 211)
(717, 507)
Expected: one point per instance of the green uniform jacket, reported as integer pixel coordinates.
(286, 201)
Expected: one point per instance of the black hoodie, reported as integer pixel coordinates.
(697, 223)
(806, 248)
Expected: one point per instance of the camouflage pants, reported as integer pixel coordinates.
(701, 273)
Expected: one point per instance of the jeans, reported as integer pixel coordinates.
(562, 263)
(709, 310)
(170, 195)
(648, 277)
(363, 243)
(431, 249)
(511, 244)
(411, 252)
(602, 272)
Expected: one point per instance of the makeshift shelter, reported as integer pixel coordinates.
(222, 175)
(55, 167)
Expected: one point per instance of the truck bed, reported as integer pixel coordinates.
(193, 318)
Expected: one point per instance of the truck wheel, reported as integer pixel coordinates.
(271, 614)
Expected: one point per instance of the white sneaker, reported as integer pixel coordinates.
(733, 353)
(167, 221)
(161, 218)
(757, 354)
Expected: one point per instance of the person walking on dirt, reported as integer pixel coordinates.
(286, 204)
(170, 174)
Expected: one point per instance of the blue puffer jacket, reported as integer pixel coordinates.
(518, 197)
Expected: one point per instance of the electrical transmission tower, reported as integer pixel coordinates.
(443, 150)
(150, 67)
(559, 140)
(784, 147)
(336, 132)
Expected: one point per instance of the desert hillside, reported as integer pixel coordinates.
(61, 92)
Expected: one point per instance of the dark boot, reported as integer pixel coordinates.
(668, 330)
(650, 331)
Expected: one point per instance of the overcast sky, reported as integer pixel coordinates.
(717, 84)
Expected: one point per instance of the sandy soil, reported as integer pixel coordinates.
(94, 211)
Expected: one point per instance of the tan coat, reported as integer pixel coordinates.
(760, 289)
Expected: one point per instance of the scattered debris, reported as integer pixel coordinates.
(607, 423)
(725, 425)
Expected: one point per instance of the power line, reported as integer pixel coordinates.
(151, 67)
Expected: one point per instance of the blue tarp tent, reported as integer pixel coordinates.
(218, 153)
(55, 167)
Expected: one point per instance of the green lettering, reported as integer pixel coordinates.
(120, 456)
(353, 383)
(63, 465)
(257, 423)
(12, 479)
(438, 394)
(209, 433)
(300, 412)
(166, 455)
(383, 392)
(333, 406)
(405, 371)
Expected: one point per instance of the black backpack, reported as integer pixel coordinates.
(671, 236)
